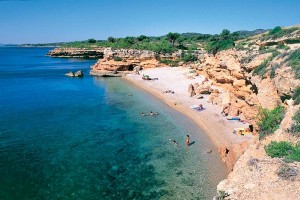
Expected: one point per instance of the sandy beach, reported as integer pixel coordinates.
(177, 79)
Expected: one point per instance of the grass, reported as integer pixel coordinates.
(220, 45)
(269, 120)
(261, 70)
(296, 124)
(188, 57)
(278, 32)
(283, 149)
(293, 60)
(118, 59)
(296, 96)
(172, 63)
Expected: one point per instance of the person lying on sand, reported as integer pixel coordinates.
(200, 107)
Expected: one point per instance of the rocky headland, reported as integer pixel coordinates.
(127, 60)
(76, 52)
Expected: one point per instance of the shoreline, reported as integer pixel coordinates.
(217, 128)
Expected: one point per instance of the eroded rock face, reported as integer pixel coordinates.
(128, 59)
(77, 52)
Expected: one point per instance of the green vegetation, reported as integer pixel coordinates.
(189, 57)
(296, 96)
(221, 195)
(278, 32)
(172, 63)
(269, 120)
(169, 43)
(221, 42)
(296, 125)
(118, 59)
(283, 149)
(287, 172)
(261, 70)
(293, 60)
(172, 37)
(92, 41)
(216, 46)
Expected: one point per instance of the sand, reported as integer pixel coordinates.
(177, 79)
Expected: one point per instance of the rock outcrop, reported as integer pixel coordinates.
(76, 53)
(75, 74)
(128, 59)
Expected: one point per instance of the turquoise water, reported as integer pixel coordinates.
(72, 138)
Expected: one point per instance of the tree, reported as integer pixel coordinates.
(275, 30)
(142, 37)
(129, 40)
(111, 39)
(92, 40)
(225, 34)
(172, 37)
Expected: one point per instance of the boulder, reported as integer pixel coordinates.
(70, 74)
(191, 90)
(78, 73)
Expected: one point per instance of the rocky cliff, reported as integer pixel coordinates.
(77, 52)
(124, 60)
(259, 72)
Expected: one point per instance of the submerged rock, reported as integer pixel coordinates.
(70, 74)
(76, 74)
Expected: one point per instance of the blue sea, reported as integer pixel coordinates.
(84, 138)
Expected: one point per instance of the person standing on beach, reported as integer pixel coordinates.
(187, 140)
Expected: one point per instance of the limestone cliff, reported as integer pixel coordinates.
(77, 52)
(127, 59)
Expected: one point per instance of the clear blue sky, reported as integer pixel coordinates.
(40, 21)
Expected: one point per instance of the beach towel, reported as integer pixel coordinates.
(196, 107)
(233, 118)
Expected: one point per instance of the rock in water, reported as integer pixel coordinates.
(78, 73)
(70, 74)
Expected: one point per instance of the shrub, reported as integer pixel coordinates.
(284, 150)
(92, 41)
(262, 68)
(293, 60)
(296, 125)
(142, 37)
(216, 46)
(272, 73)
(189, 57)
(286, 172)
(172, 63)
(278, 32)
(222, 195)
(275, 30)
(296, 96)
(279, 149)
(111, 39)
(118, 59)
(269, 120)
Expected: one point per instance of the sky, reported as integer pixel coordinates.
(45, 21)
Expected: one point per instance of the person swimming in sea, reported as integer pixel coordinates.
(151, 113)
(174, 141)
